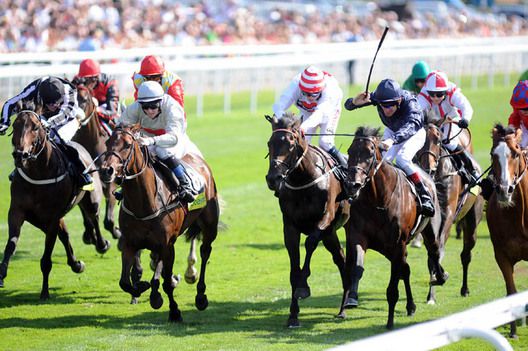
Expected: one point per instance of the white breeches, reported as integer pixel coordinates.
(183, 147)
(403, 153)
(327, 123)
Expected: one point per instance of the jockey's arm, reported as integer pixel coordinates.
(175, 127)
(286, 99)
(112, 96)
(67, 110)
(462, 103)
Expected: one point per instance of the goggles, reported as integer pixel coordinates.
(419, 80)
(524, 109)
(150, 105)
(156, 77)
(388, 104)
(437, 94)
(311, 94)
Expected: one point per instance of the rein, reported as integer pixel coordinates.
(373, 167)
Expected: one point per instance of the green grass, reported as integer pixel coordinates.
(248, 273)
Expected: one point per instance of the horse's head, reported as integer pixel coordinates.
(508, 161)
(429, 156)
(86, 102)
(286, 146)
(29, 136)
(122, 151)
(363, 157)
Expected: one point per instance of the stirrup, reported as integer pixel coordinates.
(88, 184)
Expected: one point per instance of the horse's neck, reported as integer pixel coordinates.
(308, 168)
(48, 164)
(384, 183)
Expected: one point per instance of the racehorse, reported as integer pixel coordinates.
(456, 203)
(383, 216)
(43, 190)
(506, 214)
(93, 136)
(151, 217)
(302, 176)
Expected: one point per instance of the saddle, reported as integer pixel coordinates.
(194, 178)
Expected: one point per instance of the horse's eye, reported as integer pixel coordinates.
(35, 127)
(127, 146)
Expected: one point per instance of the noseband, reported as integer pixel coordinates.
(517, 177)
(125, 162)
(373, 167)
(32, 155)
(294, 163)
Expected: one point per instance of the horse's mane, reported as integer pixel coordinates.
(288, 120)
(27, 105)
(365, 131)
(503, 131)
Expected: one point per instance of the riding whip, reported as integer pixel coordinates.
(376, 54)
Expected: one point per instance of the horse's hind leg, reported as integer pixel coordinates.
(109, 222)
(15, 220)
(392, 290)
(136, 272)
(506, 267)
(469, 225)
(291, 240)
(406, 277)
(310, 244)
(167, 258)
(156, 301)
(355, 256)
(191, 273)
(128, 259)
(90, 210)
(45, 261)
(75, 265)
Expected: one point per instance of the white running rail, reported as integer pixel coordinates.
(477, 322)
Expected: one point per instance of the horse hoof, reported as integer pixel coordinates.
(104, 248)
(351, 303)
(293, 323)
(191, 275)
(134, 300)
(87, 238)
(141, 287)
(431, 302)
(411, 310)
(116, 233)
(156, 301)
(201, 302)
(175, 317)
(78, 267)
(302, 293)
(1, 282)
(175, 280)
(341, 315)
(464, 292)
(441, 281)
(44, 295)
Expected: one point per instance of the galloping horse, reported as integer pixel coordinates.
(151, 217)
(506, 214)
(93, 136)
(43, 191)
(302, 176)
(456, 203)
(383, 216)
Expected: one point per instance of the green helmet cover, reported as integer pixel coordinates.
(420, 70)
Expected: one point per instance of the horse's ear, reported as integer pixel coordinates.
(518, 135)
(135, 128)
(273, 120)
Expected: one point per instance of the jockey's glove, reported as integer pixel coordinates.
(44, 123)
(146, 141)
(3, 128)
(463, 123)
(349, 104)
(386, 144)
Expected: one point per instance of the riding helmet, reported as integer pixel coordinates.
(150, 91)
(519, 97)
(420, 70)
(51, 90)
(436, 81)
(89, 68)
(312, 80)
(388, 90)
(152, 65)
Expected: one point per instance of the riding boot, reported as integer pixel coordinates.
(487, 186)
(84, 179)
(466, 159)
(426, 201)
(186, 192)
(342, 159)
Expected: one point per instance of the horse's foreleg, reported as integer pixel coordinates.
(392, 289)
(15, 220)
(470, 238)
(435, 248)
(291, 241)
(167, 258)
(406, 275)
(76, 266)
(128, 258)
(191, 272)
(156, 301)
(45, 261)
(355, 263)
(136, 273)
(310, 244)
(109, 222)
(208, 225)
(506, 267)
(89, 206)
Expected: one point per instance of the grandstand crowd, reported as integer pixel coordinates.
(49, 25)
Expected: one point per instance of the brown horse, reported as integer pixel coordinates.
(303, 179)
(43, 190)
(152, 217)
(93, 136)
(384, 216)
(456, 204)
(506, 214)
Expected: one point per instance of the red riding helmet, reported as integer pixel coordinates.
(152, 65)
(89, 68)
(519, 97)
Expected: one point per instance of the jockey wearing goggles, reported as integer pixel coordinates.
(404, 134)
(163, 130)
(415, 82)
(444, 100)
(318, 97)
(104, 88)
(60, 112)
(153, 69)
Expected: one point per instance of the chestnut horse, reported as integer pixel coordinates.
(302, 176)
(93, 136)
(152, 217)
(42, 191)
(506, 214)
(383, 216)
(456, 204)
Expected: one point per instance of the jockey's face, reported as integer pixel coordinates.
(311, 96)
(524, 111)
(437, 96)
(390, 108)
(156, 78)
(53, 106)
(151, 109)
(91, 82)
(420, 82)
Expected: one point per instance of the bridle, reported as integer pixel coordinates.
(373, 166)
(88, 101)
(24, 155)
(520, 173)
(294, 162)
(124, 162)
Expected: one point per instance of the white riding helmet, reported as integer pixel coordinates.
(436, 81)
(150, 91)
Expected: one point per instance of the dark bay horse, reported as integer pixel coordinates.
(43, 191)
(383, 216)
(456, 204)
(506, 215)
(303, 179)
(152, 217)
(93, 136)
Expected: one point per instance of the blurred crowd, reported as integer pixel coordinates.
(49, 25)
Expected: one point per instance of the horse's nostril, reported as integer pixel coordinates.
(511, 188)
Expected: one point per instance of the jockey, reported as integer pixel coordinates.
(446, 101)
(318, 97)
(415, 82)
(60, 113)
(104, 88)
(153, 68)
(404, 136)
(519, 120)
(163, 129)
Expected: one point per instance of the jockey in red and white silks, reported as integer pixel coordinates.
(318, 97)
(445, 100)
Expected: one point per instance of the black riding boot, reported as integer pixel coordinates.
(466, 159)
(84, 179)
(487, 185)
(186, 191)
(428, 209)
(342, 159)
